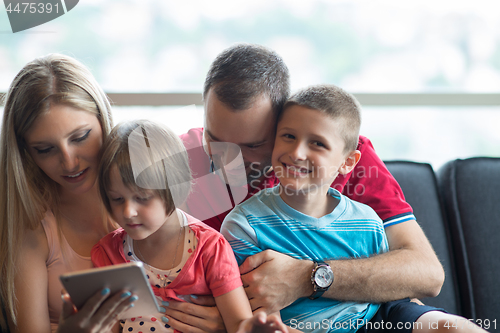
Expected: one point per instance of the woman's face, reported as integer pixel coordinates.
(65, 143)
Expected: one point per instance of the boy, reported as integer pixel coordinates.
(316, 140)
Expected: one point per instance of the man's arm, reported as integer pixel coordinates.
(410, 269)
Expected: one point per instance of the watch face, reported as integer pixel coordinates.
(323, 277)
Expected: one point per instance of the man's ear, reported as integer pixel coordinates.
(350, 162)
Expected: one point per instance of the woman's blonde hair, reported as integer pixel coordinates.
(149, 156)
(25, 191)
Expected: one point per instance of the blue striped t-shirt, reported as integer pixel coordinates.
(351, 230)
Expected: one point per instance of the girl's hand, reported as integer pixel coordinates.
(99, 314)
(262, 323)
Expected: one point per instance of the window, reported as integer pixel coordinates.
(378, 47)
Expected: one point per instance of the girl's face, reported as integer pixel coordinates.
(65, 143)
(140, 213)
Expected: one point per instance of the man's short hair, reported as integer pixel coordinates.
(244, 72)
(336, 103)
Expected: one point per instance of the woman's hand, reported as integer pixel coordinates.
(199, 316)
(99, 314)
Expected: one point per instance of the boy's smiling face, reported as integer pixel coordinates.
(309, 150)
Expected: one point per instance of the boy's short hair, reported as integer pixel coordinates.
(335, 102)
(244, 72)
(149, 156)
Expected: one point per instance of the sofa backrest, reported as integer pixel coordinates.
(419, 185)
(471, 193)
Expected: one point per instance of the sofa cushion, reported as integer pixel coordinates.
(419, 186)
(470, 191)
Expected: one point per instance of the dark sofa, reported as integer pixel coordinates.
(458, 207)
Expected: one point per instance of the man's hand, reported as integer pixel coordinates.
(273, 280)
(199, 316)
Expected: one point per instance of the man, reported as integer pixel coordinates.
(244, 92)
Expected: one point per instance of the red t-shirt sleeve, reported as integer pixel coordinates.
(222, 271)
(109, 251)
(372, 184)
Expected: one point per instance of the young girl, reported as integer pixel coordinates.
(144, 174)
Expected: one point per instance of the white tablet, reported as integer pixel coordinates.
(82, 285)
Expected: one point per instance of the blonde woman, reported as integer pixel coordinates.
(55, 119)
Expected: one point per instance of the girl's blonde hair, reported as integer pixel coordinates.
(25, 191)
(149, 156)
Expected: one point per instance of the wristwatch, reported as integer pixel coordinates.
(321, 278)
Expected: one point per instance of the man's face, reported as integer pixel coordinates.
(252, 130)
